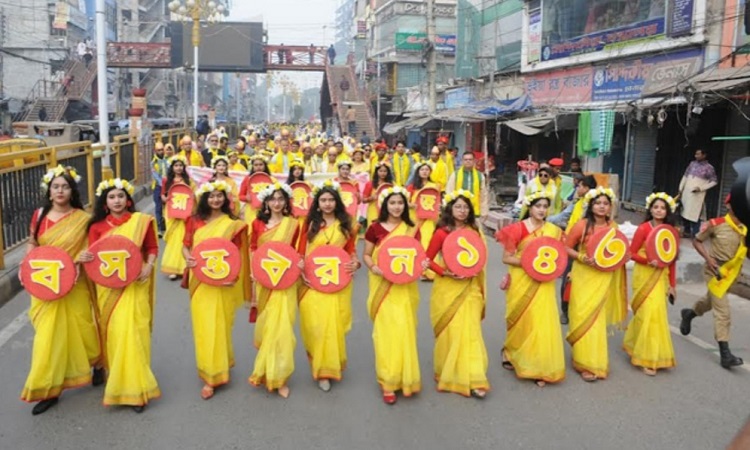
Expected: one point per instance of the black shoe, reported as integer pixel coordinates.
(687, 316)
(139, 409)
(564, 318)
(728, 360)
(43, 406)
(97, 379)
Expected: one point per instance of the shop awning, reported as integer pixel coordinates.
(530, 125)
(722, 79)
(411, 122)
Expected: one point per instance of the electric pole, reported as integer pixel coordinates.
(431, 59)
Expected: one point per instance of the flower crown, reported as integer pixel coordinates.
(216, 159)
(448, 198)
(296, 162)
(531, 198)
(383, 163)
(212, 186)
(344, 162)
(176, 158)
(329, 183)
(662, 196)
(427, 163)
(258, 157)
(56, 172)
(594, 193)
(392, 190)
(271, 188)
(116, 183)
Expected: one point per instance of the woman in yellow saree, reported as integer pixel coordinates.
(457, 309)
(421, 179)
(258, 163)
(127, 314)
(172, 262)
(326, 318)
(533, 342)
(66, 342)
(383, 175)
(597, 298)
(277, 308)
(648, 339)
(393, 307)
(212, 308)
(220, 164)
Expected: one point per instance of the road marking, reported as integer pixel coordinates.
(703, 344)
(13, 327)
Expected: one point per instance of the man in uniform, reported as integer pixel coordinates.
(723, 265)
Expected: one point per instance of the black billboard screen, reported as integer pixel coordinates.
(224, 47)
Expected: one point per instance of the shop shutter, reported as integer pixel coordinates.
(643, 140)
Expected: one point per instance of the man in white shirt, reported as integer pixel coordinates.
(81, 50)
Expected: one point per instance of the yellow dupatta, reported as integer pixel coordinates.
(283, 232)
(381, 290)
(475, 186)
(401, 169)
(655, 275)
(335, 238)
(731, 269)
(575, 215)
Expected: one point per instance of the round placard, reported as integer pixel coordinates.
(608, 248)
(117, 262)
(324, 269)
(256, 183)
(218, 262)
(180, 201)
(349, 197)
(276, 265)
(381, 188)
(428, 203)
(544, 259)
(465, 253)
(48, 273)
(302, 198)
(400, 259)
(662, 245)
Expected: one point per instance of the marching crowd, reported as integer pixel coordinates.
(244, 241)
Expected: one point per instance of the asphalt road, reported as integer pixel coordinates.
(697, 406)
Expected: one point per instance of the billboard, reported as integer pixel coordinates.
(224, 47)
(413, 42)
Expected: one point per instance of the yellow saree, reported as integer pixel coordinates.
(274, 328)
(172, 261)
(212, 308)
(533, 341)
(426, 227)
(66, 341)
(326, 318)
(125, 325)
(456, 313)
(393, 310)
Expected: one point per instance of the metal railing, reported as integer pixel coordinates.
(20, 192)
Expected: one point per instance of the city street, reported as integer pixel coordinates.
(697, 406)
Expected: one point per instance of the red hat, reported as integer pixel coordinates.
(442, 140)
(556, 162)
(381, 146)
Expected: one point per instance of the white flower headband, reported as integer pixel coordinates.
(56, 172)
(344, 162)
(329, 183)
(594, 193)
(116, 183)
(216, 159)
(212, 186)
(531, 198)
(296, 162)
(177, 158)
(455, 194)
(268, 191)
(668, 199)
(392, 190)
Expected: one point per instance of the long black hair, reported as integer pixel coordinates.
(376, 178)
(265, 170)
(416, 180)
(265, 211)
(315, 218)
(100, 206)
(291, 179)
(527, 213)
(446, 215)
(204, 211)
(170, 174)
(383, 215)
(670, 219)
(589, 215)
(75, 200)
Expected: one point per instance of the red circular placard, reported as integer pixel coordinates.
(218, 262)
(180, 201)
(428, 203)
(276, 265)
(324, 269)
(48, 273)
(302, 198)
(349, 196)
(544, 259)
(117, 262)
(380, 190)
(663, 245)
(608, 248)
(256, 183)
(465, 253)
(400, 259)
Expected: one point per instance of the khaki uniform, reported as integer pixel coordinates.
(724, 244)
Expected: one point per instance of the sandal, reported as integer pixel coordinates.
(588, 377)
(172, 277)
(649, 371)
(479, 393)
(207, 392)
(540, 383)
(284, 391)
(389, 398)
(507, 365)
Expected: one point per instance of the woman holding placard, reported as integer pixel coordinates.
(220, 164)
(126, 313)
(172, 262)
(258, 164)
(383, 176)
(277, 308)
(533, 342)
(393, 306)
(648, 339)
(325, 316)
(598, 287)
(58, 364)
(458, 299)
(419, 180)
(216, 249)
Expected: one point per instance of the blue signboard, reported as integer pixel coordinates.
(457, 97)
(680, 18)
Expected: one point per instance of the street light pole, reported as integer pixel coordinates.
(196, 44)
(101, 73)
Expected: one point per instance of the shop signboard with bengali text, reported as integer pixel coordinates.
(560, 87)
